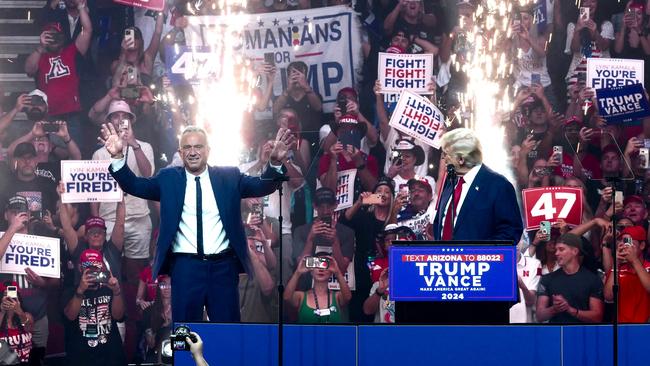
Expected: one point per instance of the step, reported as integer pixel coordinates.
(18, 29)
(15, 14)
(16, 82)
(12, 63)
(21, 4)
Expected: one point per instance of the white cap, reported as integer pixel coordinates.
(38, 93)
(119, 106)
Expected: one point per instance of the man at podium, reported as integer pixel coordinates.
(484, 208)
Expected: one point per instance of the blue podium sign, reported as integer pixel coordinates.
(456, 272)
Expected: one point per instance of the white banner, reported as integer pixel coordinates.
(88, 181)
(612, 72)
(405, 71)
(345, 188)
(40, 253)
(326, 39)
(417, 117)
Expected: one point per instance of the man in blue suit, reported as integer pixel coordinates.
(487, 209)
(202, 243)
(485, 201)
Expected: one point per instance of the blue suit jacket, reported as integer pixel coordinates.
(168, 186)
(489, 212)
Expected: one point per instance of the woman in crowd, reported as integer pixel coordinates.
(15, 323)
(319, 304)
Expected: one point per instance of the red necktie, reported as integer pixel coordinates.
(448, 227)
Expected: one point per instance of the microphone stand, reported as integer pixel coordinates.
(615, 286)
(451, 173)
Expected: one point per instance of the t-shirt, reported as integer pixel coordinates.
(93, 338)
(57, 77)
(579, 62)
(371, 165)
(386, 313)
(152, 285)
(530, 270)
(634, 300)
(19, 341)
(577, 289)
(40, 192)
(255, 307)
(417, 221)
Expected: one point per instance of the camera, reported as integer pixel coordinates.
(327, 220)
(317, 262)
(397, 158)
(36, 215)
(130, 92)
(50, 127)
(342, 103)
(100, 276)
(269, 58)
(57, 38)
(177, 339)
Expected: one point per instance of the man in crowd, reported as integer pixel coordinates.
(419, 211)
(140, 160)
(203, 267)
(571, 294)
(634, 279)
(634, 209)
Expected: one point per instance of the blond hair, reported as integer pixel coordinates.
(463, 143)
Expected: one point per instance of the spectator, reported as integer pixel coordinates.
(410, 15)
(571, 294)
(33, 288)
(369, 219)
(419, 208)
(300, 96)
(54, 65)
(157, 320)
(543, 248)
(147, 288)
(634, 209)
(272, 201)
(137, 227)
(196, 348)
(15, 324)
(310, 310)
(634, 279)
(529, 272)
(288, 118)
(588, 37)
(48, 153)
(325, 234)
(257, 299)
(405, 157)
(91, 311)
(132, 53)
(632, 40)
(22, 180)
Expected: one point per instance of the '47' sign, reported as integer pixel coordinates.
(551, 204)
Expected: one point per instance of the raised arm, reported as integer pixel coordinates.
(83, 40)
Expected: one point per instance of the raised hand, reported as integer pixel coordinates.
(283, 140)
(112, 141)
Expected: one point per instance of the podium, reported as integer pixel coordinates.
(453, 282)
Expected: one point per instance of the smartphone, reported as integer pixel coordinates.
(129, 37)
(12, 292)
(326, 219)
(130, 92)
(269, 58)
(618, 197)
(50, 127)
(633, 22)
(373, 199)
(36, 215)
(397, 158)
(535, 79)
(317, 262)
(131, 75)
(342, 103)
(558, 150)
(627, 241)
(643, 157)
(545, 228)
(584, 13)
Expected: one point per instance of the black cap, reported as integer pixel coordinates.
(17, 203)
(325, 195)
(24, 148)
(385, 181)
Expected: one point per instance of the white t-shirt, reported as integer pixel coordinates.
(386, 313)
(606, 31)
(272, 201)
(135, 207)
(529, 63)
(529, 269)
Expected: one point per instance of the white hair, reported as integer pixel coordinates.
(192, 129)
(463, 143)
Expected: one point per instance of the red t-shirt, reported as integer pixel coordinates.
(21, 343)
(376, 267)
(152, 285)
(324, 164)
(634, 300)
(57, 78)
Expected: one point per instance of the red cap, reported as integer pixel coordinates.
(395, 49)
(91, 258)
(53, 27)
(5, 284)
(637, 233)
(573, 119)
(95, 222)
(634, 198)
(422, 181)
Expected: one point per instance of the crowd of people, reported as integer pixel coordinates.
(100, 64)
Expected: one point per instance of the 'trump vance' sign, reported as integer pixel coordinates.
(453, 273)
(41, 254)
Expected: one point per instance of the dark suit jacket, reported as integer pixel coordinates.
(168, 186)
(489, 211)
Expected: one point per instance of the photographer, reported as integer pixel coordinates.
(15, 323)
(91, 310)
(320, 305)
(196, 348)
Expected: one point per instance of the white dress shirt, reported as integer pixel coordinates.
(214, 235)
(468, 179)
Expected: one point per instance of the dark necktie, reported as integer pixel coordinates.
(448, 228)
(199, 217)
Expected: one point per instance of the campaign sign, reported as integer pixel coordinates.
(185, 64)
(417, 117)
(622, 104)
(613, 72)
(457, 272)
(551, 204)
(410, 72)
(88, 181)
(40, 253)
(156, 5)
